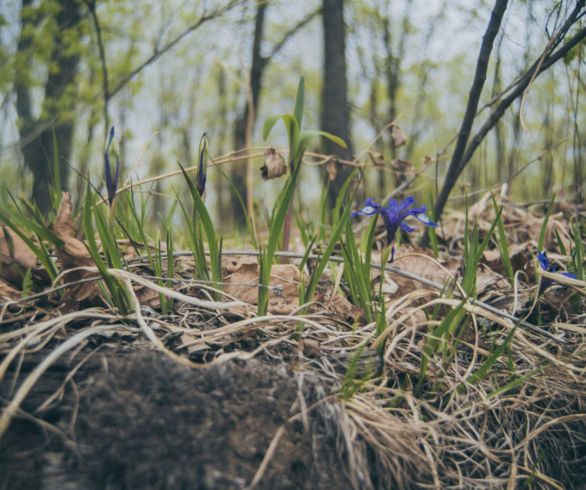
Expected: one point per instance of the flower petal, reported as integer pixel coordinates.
(543, 260)
(405, 203)
(371, 202)
(424, 219)
(407, 228)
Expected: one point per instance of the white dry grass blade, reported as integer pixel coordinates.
(171, 293)
(251, 324)
(148, 331)
(568, 281)
(205, 337)
(32, 331)
(34, 376)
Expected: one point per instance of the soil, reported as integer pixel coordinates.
(141, 420)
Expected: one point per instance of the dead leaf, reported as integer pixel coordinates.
(73, 254)
(192, 344)
(488, 280)
(7, 292)
(398, 136)
(15, 256)
(492, 255)
(346, 310)
(274, 166)
(402, 165)
(148, 297)
(413, 260)
(310, 347)
(376, 158)
(242, 283)
(332, 168)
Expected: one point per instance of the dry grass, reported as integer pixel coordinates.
(491, 434)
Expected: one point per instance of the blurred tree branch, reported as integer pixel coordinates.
(158, 52)
(91, 6)
(464, 150)
(242, 177)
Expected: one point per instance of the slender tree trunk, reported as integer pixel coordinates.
(464, 152)
(393, 73)
(421, 95)
(579, 142)
(499, 137)
(36, 135)
(547, 176)
(242, 174)
(244, 123)
(222, 135)
(457, 162)
(335, 115)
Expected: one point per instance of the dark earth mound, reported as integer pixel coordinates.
(140, 420)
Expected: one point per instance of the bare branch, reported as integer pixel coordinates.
(455, 166)
(91, 6)
(291, 32)
(463, 154)
(526, 79)
(160, 52)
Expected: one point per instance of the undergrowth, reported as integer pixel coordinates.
(426, 339)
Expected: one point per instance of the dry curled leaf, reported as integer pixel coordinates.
(376, 158)
(398, 136)
(274, 166)
(402, 165)
(310, 347)
(7, 292)
(332, 168)
(15, 256)
(421, 263)
(73, 254)
(242, 283)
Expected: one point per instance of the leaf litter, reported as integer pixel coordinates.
(87, 396)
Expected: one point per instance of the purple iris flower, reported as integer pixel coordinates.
(111, 184)
(547, 266)
(394, 215)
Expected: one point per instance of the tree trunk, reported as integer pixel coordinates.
(36, 135)
(245, 122)
(335, 116)
(457, 163)
(464, 151)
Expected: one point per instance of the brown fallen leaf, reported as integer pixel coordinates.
(398, 136)
(413, 260)
(73, 254)
(341, 306)
(310, 347)
(332, 168)
(148, 297)
(7, 292)
(242, 283)
(274, 166)
(15, 256)
(492, 255)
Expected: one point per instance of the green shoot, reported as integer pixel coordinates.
(280, 220)
(503, 243)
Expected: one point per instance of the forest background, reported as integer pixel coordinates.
(163, 73)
